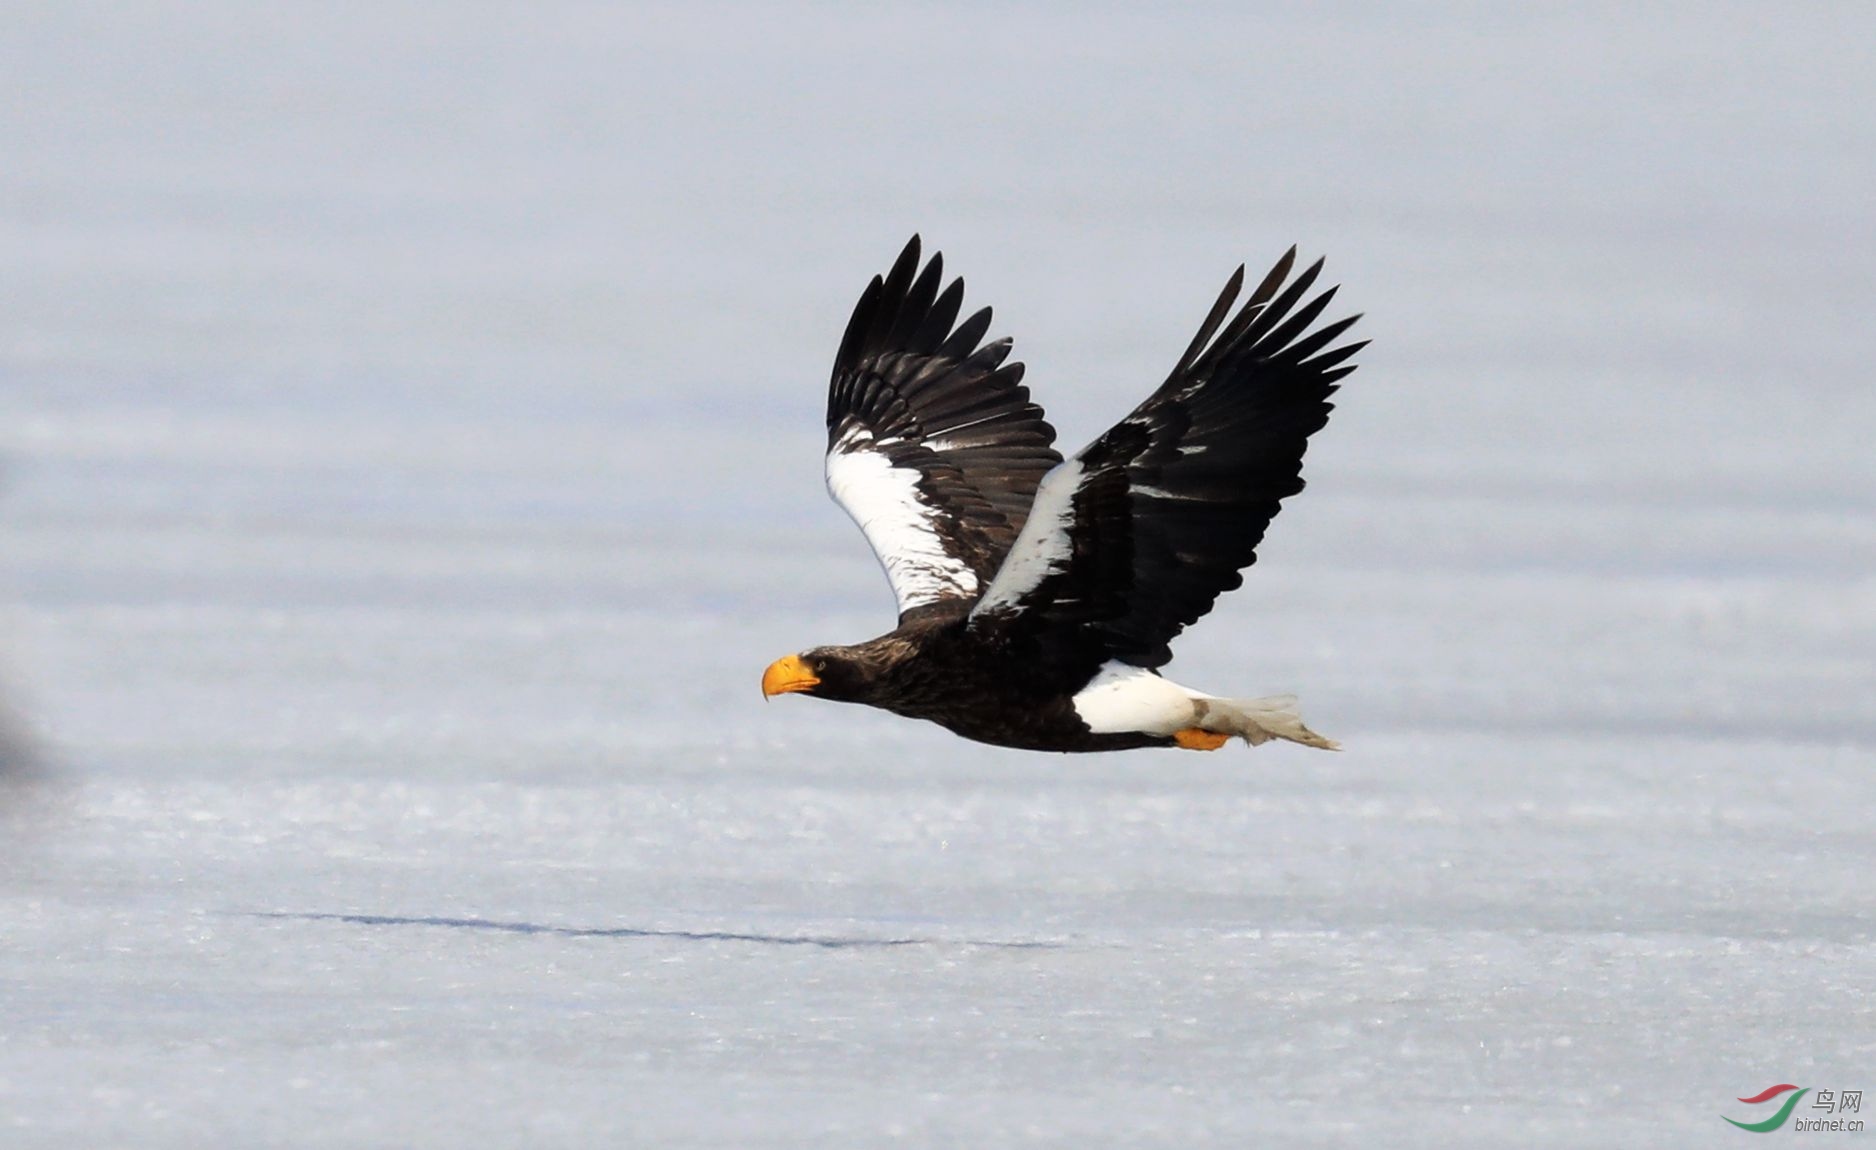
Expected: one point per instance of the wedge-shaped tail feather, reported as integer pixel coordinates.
(1260, 720)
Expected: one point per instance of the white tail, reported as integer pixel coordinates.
(1259, 720)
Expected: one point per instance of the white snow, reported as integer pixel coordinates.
(410, 419)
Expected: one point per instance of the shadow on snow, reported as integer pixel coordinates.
(825, 942)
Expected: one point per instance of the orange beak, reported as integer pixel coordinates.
(787, 674)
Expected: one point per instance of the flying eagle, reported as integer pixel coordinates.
(1037, 595)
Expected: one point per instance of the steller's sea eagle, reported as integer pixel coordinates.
(1037, 595)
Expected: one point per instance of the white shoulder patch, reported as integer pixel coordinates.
(901, 527)
(1043, 547)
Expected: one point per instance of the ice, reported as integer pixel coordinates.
(410, 418)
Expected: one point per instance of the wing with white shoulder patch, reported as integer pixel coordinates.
(1134, 538)
(934, 447)
(914, 539)
(1042, 548)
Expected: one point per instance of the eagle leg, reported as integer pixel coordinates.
(1200, 739)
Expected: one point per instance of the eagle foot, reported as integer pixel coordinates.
(1200, 739)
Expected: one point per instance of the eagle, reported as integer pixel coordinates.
(1037, 595)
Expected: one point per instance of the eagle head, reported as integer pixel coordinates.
(824, 672)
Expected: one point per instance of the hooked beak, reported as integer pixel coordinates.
(787, 674)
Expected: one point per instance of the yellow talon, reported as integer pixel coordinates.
(1200, 739)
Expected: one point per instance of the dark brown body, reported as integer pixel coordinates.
(1009, 694)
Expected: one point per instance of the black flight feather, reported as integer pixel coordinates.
(1176, 497)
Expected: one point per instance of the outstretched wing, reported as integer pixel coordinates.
(932, 444)
(1137, 535)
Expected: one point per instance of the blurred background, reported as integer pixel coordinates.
(410, 457)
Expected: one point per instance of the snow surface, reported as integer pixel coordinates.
(411, 424)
